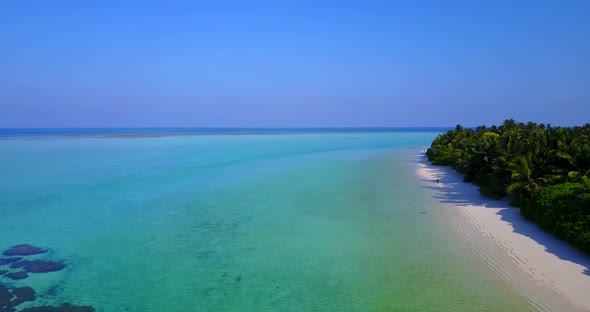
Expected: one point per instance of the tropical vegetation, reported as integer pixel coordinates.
(544, 170)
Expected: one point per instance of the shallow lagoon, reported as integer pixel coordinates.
(302, 222)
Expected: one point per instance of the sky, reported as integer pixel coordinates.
(289, 63)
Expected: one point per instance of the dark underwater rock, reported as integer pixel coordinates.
(10, 298)
(17, 275)
(18, 264)
(5, 297)
(71, 308)
(24, 250)
(44, 266)
(64, 308)
(23, 294)
(40, 309)
(5, 261)
(38, 266)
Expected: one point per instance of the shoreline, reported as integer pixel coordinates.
(550, 273)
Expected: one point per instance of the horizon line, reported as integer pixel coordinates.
(232, 127)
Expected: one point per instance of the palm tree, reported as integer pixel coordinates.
(524, 179)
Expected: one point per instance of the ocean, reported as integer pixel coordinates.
(281, 220)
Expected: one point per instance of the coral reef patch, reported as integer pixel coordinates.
(12, 297)
(17, 275)
(5, 261)
(63, 308)
(38, 266)
(16, 267)
(24, 250)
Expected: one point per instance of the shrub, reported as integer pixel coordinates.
(441, 157)
(563, 209)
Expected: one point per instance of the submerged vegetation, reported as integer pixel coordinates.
(544, 170)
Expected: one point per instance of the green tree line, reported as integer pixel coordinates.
(544, 170)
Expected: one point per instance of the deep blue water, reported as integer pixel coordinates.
(25, 132)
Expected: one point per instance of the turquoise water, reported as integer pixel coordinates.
(302, 222)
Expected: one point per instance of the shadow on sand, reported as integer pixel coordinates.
(452, 190)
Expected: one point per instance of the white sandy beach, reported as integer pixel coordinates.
(553, 275)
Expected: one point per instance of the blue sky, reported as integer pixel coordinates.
(293, 63)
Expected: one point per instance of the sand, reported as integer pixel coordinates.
(553, 275)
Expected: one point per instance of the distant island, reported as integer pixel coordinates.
(544, 170)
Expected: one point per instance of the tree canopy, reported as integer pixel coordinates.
(544, 170)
